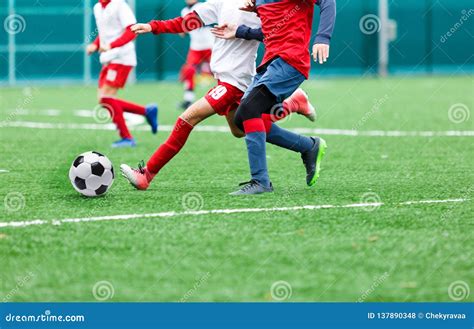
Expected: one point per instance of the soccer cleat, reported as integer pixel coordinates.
(124, 142)
(136, 177)
(300, 104)
(312, 160)
(151, 115)
(251, 188)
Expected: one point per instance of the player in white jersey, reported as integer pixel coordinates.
(233, 65)
(199, 55)
(117, 56)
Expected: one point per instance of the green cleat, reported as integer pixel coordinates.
(312, 160)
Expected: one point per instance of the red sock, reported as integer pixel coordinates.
(268, 121)
(116, 113)
(171, 147)
(131, 107)
(187, 76)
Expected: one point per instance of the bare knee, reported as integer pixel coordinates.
(106, 91)
(237, 133)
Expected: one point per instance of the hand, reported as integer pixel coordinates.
(141, 28)
(320, 53)
(91, 48)
(103, 48)
(225, 31)
(249, 6)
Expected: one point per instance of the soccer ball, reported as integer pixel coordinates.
(91, 174)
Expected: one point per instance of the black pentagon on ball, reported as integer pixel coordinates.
(113, 174)
(101, 190)
(97, 169)
(99, 154)
(78, 161)
(80, 183)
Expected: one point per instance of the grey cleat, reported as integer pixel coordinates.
(251, 188)
(312, 160)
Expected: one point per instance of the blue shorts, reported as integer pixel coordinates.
(279, 77)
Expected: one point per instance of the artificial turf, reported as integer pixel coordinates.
(393, 252)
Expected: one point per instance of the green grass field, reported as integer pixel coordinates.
(397, 251)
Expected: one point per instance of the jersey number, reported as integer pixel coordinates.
(218, 92)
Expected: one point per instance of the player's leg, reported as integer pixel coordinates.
(312, 149)
(141, 178)
(278, 80)
(236, 131)
(298, 103)
(150, 111)
(277, 136)
(107, 99)
(249, 118)
(188, 71)
(115, 78)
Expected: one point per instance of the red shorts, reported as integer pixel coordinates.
(224, 98)
(114, 75)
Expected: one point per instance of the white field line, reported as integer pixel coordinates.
(168, 214)
(3, 171)
(225, 129)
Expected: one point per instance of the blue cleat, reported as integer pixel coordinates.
(251, 188)
(124, 142)
(151, 115)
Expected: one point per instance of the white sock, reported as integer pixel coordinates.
(189, 96)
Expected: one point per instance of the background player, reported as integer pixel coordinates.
(285, 66)
(115, 43)
(199, 55)
(233, 64)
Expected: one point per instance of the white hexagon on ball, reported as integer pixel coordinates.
(91, 174)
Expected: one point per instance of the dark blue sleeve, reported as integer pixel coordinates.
(247, 33)
(327, 20)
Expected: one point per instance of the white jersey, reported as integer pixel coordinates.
(201, 39)
(111, 23)
(233, 61)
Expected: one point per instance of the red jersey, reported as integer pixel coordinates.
(287, 26)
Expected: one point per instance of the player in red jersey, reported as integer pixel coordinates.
(118, 58)
(286, 25)
(233, 64)
(199, 55)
